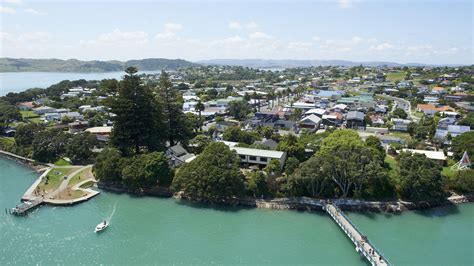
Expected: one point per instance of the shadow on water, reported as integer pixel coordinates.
(442, 211)
(213, 206)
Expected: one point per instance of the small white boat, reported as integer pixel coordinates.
(102, 226)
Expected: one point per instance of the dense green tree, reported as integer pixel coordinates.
(147, 170)
(79, 148)
(177, 130)
(468, 120)
(291, 165)
(462, 181)
(50, 144)
(400, 113)
(257, 184)
(463, 143)
(8, 114)
(308, 179)
(374, 143)
(267, 132)
(109, 86)
(199, 108)
(193, 121)
(213, 176)
(239, 109)
(236, 134)
(292, 146)
(25, 133)
(348, 161)
(200, 142)
(109, 165)
(136, 124)
(420, 178)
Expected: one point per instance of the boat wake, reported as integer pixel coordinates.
(109, 219)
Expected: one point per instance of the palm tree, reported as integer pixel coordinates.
(199, 107)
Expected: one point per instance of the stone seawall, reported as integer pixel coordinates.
(297, 203)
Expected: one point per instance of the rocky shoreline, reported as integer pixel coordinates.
(297, 203)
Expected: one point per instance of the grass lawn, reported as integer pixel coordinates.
(448, 172)
(418, 114)
(405, 136)
(396, 76)
(62, 162)
(55, 177)
(88, 184)
(393, 164)
(31, 116)
(79, 177)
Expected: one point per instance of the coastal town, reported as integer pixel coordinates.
(264, 132)
(277, 122)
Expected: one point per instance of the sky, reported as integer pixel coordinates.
(404, 31)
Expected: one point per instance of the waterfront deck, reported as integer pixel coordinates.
(363, 245)
(24, 207)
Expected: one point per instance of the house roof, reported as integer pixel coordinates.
(259, 152)
(433, 155)
(99, 130)
(311, 118)
(355, 115)
(317, 111)
(178, 150)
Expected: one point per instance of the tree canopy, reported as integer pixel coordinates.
(420, 178)
(214, 176)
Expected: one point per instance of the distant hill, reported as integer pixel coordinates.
(288, 63)
(74, 65)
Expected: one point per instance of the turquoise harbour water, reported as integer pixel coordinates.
(163, 231)
(20, 81)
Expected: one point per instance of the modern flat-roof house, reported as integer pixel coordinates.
(432, 155)
(258, 156)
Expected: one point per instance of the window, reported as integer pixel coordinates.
(263, 159)
(252, 158)
(242, 157)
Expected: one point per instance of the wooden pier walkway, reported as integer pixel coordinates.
(24, 207)
(363, 245)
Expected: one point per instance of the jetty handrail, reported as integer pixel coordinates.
(360, 232)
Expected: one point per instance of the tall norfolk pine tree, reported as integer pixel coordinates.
(138, 117)
(174, 121)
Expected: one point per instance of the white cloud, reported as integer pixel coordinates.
(235, 25)
(173, 27)
(7, 10)
(316, 38)
(382, 46)
(34, 37)
(260, 35)
(344, 3)
(34, 12)
(251, 25)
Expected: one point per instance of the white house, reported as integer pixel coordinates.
(258, 156)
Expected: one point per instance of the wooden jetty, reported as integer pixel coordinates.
(362, 243)
(24, 207)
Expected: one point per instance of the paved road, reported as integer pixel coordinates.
(405, 105)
